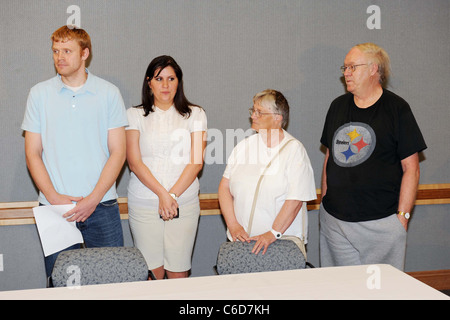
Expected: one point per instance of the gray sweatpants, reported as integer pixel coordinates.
(355, 243)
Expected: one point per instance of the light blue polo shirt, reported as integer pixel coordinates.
(74, 131)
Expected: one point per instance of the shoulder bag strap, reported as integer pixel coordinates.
(258, 185)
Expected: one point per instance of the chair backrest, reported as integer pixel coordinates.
(98, 266)
(236, 257)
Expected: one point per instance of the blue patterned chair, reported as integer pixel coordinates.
(98, 266)
(236, 257)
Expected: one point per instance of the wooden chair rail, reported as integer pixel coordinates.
(437, 279)
(18, 213)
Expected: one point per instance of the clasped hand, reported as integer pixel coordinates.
(167, 207)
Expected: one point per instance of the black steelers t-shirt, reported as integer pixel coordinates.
(366, 148)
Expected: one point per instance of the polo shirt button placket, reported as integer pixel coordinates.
(73, 102)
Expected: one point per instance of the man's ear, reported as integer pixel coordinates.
(85, 54)
(373, 69)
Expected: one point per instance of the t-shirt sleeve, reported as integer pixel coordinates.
(325, 138)
(410, 138)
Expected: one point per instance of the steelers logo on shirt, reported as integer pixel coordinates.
(353, 143)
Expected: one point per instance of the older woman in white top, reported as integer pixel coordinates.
(285, 188)
(166, 139)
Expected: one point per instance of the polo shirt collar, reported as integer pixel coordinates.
(89, 85)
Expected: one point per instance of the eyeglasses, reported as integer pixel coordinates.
(352, 68)
(257, 113)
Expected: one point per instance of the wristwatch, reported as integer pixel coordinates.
(276, 234)
(173, 195)
(406, 214)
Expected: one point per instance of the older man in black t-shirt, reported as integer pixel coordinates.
(371, 169)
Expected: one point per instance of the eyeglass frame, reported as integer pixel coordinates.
(352, 68)
(258, 114)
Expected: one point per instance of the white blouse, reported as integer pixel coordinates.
(290, 177)
(165, 144)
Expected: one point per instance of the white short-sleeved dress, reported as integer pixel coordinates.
(290, 177)
(165, 145)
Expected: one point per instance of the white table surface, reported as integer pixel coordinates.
(353, 282)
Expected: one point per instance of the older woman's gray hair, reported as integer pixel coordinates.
(276, 102)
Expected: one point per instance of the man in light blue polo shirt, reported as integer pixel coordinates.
(75, 141)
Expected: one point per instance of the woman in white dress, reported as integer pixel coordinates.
(166, 139)
(285, 188)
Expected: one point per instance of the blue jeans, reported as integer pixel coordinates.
(102, 229)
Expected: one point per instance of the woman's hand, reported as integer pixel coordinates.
(262, 242)
(238, 233)
(167, 207)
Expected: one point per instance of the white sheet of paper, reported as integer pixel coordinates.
(56, 232)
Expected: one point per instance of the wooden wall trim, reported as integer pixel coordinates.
(18, 213)
(437, 279)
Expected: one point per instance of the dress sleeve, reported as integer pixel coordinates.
(198, 120)
(300, 176)
(230, 163)
(133, 119)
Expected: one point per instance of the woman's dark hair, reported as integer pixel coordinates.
(180, 101)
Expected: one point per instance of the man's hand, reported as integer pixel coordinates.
(83, 210)
(58, 199)
(403, 221)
